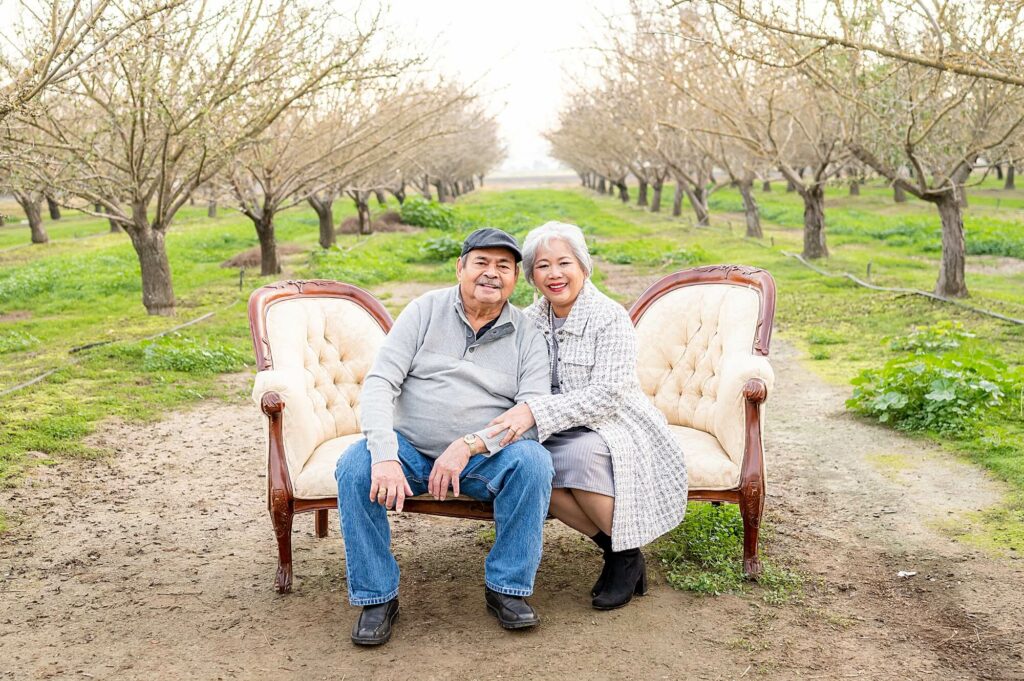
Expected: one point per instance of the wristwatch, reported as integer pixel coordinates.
(470, 439)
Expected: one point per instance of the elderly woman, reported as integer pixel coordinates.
(620, 477)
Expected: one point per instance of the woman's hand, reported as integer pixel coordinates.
(515, 422)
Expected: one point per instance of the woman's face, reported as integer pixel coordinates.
(558, 275)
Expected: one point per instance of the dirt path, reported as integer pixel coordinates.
(157, 563)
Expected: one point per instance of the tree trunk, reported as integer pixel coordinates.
(34, 212)
(999, 171)
(363, 212)
(677, 200)
(656, 198)
(854, 188)
(699, 200)
(211, 209)
(53, 207)
(115, 226)
(1010, 172)
(641, 194)
(381, 200)
(790, 186)
(442, 192)
(157, 291)
(962, 196)
(767, 186)
(814, 222)
(600, 186)
(750, 209)
(481, 178)
(469, 184)
(456, 189)
(400, 195)
(951, 282)
(269, 263)
(425, 190)
(899, 195)
(623, 191)
(325, 213)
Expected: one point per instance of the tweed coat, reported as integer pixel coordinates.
(601, 391)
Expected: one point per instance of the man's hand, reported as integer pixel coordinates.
(388, 486)
(446, 470)
(516, 420)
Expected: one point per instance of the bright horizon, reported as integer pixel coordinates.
(518, 54)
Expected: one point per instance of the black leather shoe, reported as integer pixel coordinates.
(374, 624)
(513, 612)
(627, 577)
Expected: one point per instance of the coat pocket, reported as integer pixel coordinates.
(575, 364)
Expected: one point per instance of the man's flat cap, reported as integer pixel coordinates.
(488, 237)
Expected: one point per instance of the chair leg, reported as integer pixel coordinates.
(751, 508)
(320, 523)
(281, 514)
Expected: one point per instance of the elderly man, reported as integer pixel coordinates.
(455, 359)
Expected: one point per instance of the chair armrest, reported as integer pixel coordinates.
(291, 426)
(743, 378)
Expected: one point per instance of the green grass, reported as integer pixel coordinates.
(83, 288)
(704, 554)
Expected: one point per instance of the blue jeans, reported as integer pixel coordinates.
(517, 480)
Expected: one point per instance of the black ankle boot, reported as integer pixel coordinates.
(604, 542)
(627, 576)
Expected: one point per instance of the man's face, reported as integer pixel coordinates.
(488, 277)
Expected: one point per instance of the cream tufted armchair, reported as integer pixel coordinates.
(315, 341)
(702, 338)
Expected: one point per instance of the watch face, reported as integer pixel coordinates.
(469, 439)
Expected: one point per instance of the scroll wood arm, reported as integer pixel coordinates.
(278, 479)
(755, 391)
(272, 403)
(752, 472)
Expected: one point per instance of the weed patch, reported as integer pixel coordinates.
(705, 555)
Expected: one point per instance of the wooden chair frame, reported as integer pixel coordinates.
(749, 493)
(281, 501)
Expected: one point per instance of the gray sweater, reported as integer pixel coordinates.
(434, 381)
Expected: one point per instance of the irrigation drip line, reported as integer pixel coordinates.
(875, 287)
(88, 346)
(897, 289)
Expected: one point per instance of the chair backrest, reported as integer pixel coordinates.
(328, 331)
(690, 325)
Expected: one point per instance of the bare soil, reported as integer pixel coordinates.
(157, 561)
(251, 257)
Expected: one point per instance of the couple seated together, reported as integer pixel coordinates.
(537, 411)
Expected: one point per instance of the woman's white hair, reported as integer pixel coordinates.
(543, 235)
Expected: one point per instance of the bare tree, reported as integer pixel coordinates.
(187, 91)
(55, 40)
(935, 86)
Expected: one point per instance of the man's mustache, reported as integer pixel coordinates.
(488, 281)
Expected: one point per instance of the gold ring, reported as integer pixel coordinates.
(382, 491)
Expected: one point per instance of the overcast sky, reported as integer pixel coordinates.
(519, 50)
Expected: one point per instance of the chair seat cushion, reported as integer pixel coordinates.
(316, 480)
(707, 464)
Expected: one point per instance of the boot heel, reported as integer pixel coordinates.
(641, 584)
